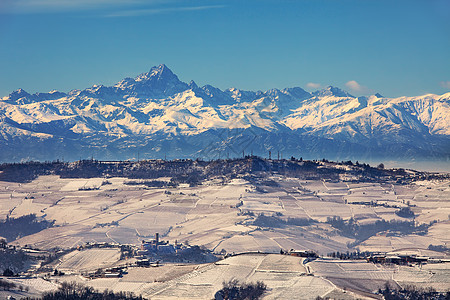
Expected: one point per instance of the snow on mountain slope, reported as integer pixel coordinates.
(10, 131)
(156, 106)
(159, 82)
(430, 110)
(318, 110)
(329, 115)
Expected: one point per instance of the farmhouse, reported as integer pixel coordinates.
(303, 253)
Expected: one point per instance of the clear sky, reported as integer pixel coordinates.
(394, 47)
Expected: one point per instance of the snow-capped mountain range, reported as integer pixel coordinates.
(156, 115)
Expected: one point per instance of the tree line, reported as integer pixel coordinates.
(13, 228)
(194, 171)
(351, 228)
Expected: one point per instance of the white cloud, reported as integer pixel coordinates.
(356, 87)
(55, 6)
(152, 11)
(38, 5)
(312, 85)
(445, 84)
(72, 3)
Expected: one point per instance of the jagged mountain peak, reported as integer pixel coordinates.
(241, 95)
(20, 91)
(159, 73)
(17, 94)
(297, 92)
(332, 91)
(159, 82)
(193, 85)
(20, 96)
(160, 70)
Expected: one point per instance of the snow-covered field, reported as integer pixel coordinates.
(88, 260)
(219, 217)
(370, 277)
(212, 214)
(284, 275)
(31, 287)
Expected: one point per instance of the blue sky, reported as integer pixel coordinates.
(393, 47)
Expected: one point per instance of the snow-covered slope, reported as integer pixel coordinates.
(156, 113)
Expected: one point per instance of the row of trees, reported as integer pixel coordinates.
(413, 293)
(7, 286)
(75, 291)
(13, 228)
(233, 289)
(352, 229)
(277, 222)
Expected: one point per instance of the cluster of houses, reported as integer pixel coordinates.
(301, 253)
(107, 273)
(401, 259)
(160, 248)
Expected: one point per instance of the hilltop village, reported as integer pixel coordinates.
(193, 172)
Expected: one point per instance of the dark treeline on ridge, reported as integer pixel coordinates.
(351, 228)
(277, 222)
(194, 171)
(14, 228)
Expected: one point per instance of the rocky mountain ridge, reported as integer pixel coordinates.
(157, 115)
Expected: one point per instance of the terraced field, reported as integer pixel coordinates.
(221, 217)
(212, 214)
